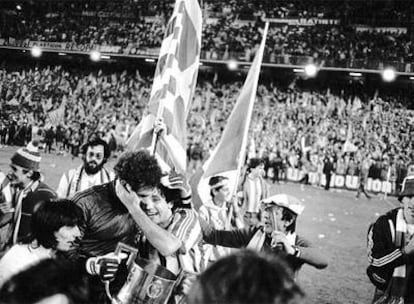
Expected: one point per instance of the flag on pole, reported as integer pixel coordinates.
(56, 116)
(174, 82)
(348, 145)
(229, 155)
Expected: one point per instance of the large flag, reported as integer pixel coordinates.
(174, 82)
(228, 157)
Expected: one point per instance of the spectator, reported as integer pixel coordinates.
(28, 189)
(221, 212)
(328, 169)
(54, 228)
(255, 189)
(95, 154)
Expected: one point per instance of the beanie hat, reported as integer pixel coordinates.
(27, 157)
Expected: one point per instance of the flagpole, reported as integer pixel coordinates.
(242, 154)
(155, 136)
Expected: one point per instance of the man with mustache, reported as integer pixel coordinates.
(21, 191)
(91, 173)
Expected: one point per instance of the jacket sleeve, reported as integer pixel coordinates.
(237, 238)
(310, 254)
(383, 254)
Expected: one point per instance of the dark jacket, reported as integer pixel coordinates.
(42, 193)
(240, 238)
(384, 255)
(106, 221)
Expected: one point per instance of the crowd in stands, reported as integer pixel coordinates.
(132, 26)
(292, 127)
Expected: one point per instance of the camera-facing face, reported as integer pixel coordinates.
(94, 159)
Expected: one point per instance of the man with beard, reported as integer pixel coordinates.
(91, 173)
(22, 190)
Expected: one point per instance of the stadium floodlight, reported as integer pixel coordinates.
(95, 56)
(36, 51)
(389, 74)
(311, 70)
(232, 65)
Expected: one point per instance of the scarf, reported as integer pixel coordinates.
(18, 210)
(257, 241)
(75, 181)
(398, 282)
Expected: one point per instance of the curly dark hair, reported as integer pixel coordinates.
(44, 279)
(246, 277)
(139, 169)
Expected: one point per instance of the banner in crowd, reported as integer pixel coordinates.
(229, 155)
(349, 182)
(288, 21)
(304, 21)
(102, 14)
(174, 83)
(71, 46)
(383, 29)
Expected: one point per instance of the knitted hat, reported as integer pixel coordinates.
(27, 157)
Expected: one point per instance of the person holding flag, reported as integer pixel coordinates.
(277, 235)
(173, 87)
(221, 212)
(228, 157)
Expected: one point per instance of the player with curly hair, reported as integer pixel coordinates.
(106, 220)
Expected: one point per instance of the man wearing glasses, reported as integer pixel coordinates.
(26, 191)
(91, 173)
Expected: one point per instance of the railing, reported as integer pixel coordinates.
(215, 56)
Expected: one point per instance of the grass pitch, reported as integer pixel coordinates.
(334, 221)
